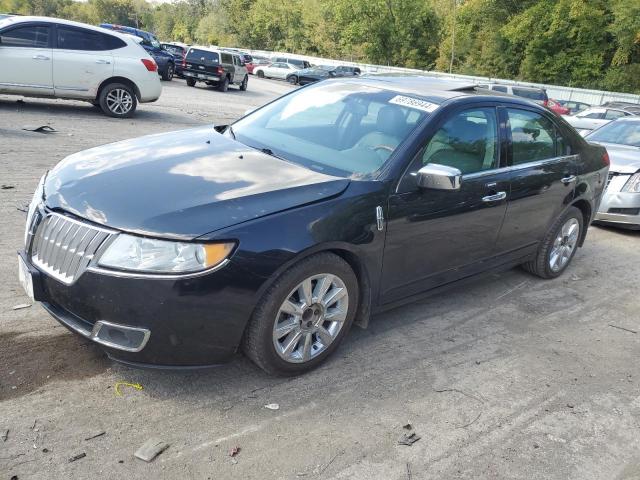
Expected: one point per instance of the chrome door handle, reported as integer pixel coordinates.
(103, 62)
(569, 179)
(495, 197)
(40, 57)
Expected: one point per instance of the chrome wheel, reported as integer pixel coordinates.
(119, 101)
(310, 318)
(564, 245)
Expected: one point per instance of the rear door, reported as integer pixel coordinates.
(203, 63)
(25, 59)
(543, 178)
(82, 60)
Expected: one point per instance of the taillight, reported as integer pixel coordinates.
(605, 159)
(220, 70)
(151, 64)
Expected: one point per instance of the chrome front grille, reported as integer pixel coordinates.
(63, 247)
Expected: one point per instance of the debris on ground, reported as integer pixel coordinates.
(7, 187)
(5, 435)
(408, 438)
(21, 306)
(272, 406)
(117, 391)
(151, 449)
(41, 129)
(408, 471)
(77, 457)
(233, 451)
(622, 328)
(407, 426)
(96, 435)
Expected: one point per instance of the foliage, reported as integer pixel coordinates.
(585, 43)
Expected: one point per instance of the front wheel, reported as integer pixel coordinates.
(292, 79)
(167, 75)
(245, 81)
(558, 246)
(118, 100)
(303, 317)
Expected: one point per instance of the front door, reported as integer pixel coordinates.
(543, 178)
(438, 236)
(25, 59)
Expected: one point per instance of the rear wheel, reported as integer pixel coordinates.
(118, 100)
(303, 317)
(558, 246)
(191, 82)
(168, 73)
(223, 86)
(245, 81)
(260, 74)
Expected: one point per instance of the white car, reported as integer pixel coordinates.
(595, 117)
(278, 70)
(49, 57)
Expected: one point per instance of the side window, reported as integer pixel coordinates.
(26, 37)
(613, 114)
(226, 58)
(499, 88)
(596, 115)
(533, 136)
(80, 39)
(467, 141)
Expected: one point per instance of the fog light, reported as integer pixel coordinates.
(121, 337)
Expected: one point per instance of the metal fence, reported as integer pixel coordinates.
(592, 97)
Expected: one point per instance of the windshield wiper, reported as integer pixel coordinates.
(230, 130)
(268, 151)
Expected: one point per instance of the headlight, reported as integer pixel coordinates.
(35, 201)
(139, 254)
(633, 184)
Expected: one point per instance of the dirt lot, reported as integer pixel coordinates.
(513, 377)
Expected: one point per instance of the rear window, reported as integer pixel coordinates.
(202, 56)
(174, 50)
(530, 94)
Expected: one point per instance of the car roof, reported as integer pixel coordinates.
(24, 19)
(435, 89)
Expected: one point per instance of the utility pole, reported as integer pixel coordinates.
(453, 35)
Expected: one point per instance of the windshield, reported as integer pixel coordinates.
(154, 41)
(621, 132)
(336, 128)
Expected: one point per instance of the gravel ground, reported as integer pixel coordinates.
(512, 377)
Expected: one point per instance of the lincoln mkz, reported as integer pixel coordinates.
(275, 234)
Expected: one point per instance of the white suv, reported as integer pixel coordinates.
(48, 57)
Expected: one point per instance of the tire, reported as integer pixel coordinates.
(311, 348)
(558, 242)
(223, 86)
(118, 100)
(167, 75)
(245, 81)
(292, 79)
(191, 82)
(260, 74)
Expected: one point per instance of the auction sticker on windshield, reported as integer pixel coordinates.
(414, 103)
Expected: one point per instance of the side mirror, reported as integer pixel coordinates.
(438, 177)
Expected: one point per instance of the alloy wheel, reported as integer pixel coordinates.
(564, 244)
(119, 101)
(310, 318)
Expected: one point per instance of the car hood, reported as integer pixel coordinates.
(181, 184)
(624, 158)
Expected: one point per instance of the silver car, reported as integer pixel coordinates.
(595, 117)
(620, 204)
